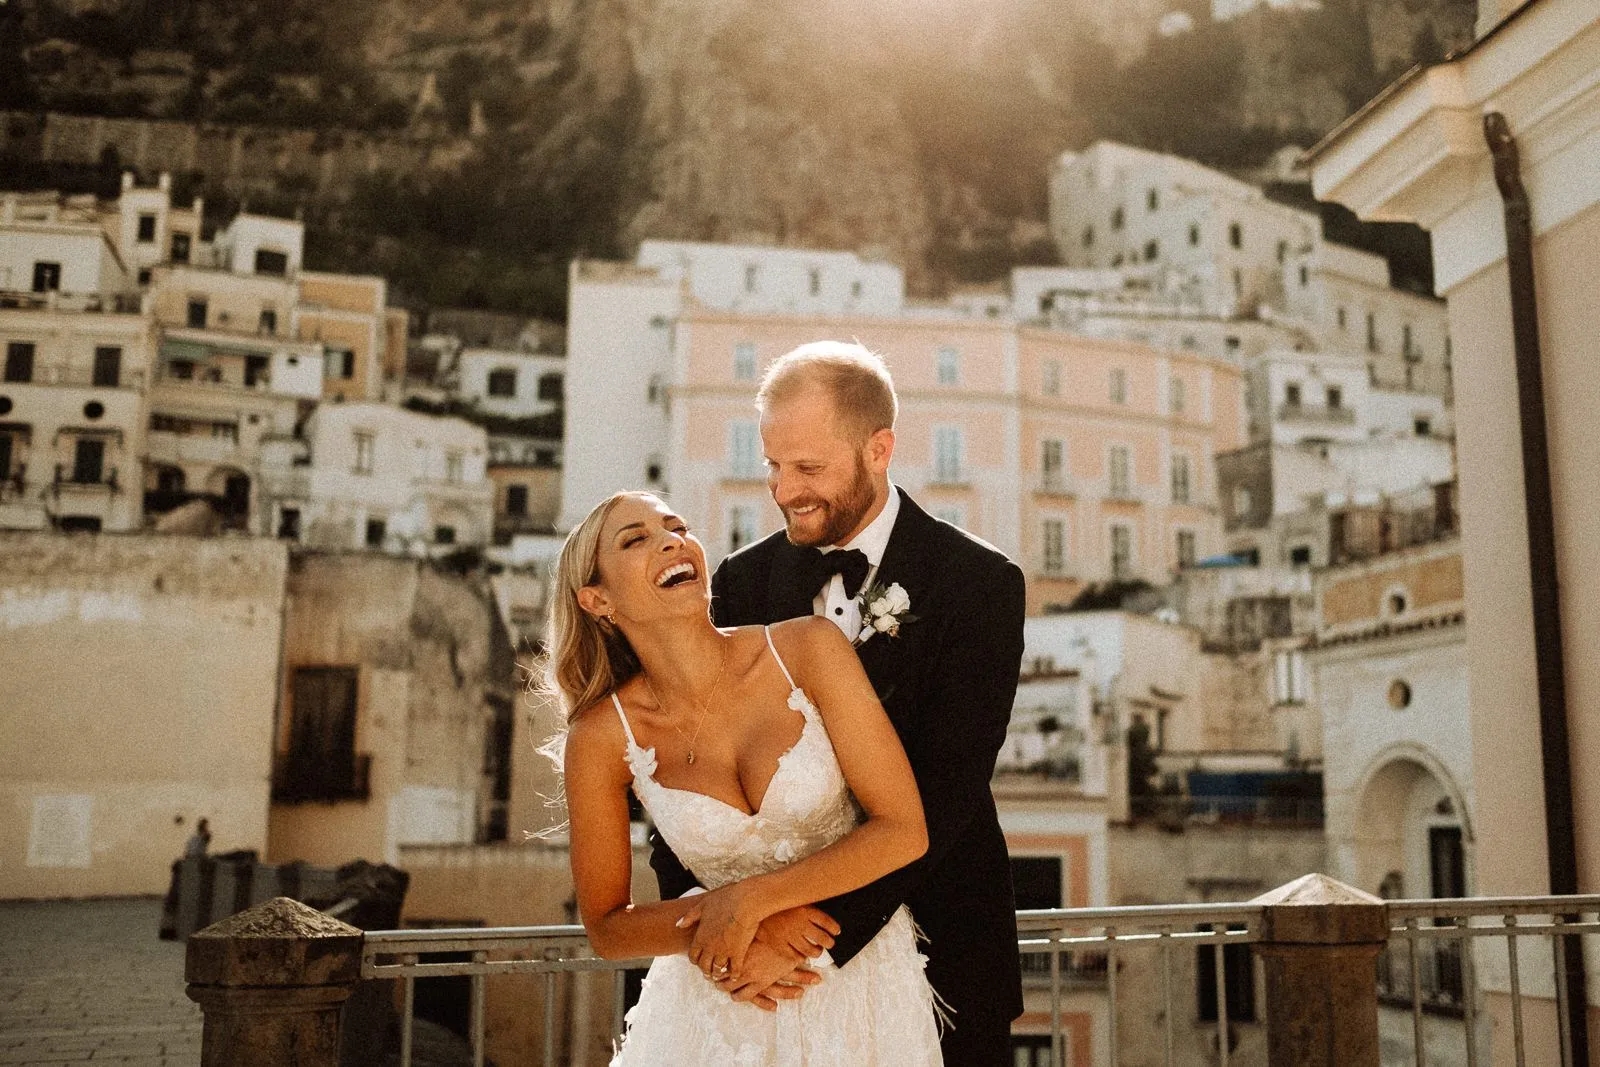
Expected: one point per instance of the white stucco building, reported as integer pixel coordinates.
(388, 479)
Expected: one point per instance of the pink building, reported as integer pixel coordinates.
(1083, 459)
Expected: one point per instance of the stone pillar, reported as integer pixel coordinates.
(272, 981)
(1319, 944)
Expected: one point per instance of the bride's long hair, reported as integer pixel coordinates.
(588, 657)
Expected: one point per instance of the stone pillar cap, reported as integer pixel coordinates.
(280, 943)
(1318, 910)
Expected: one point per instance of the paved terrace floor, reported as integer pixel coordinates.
(89, 982)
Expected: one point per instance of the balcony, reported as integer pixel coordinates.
(77, 303)
(299, 782)
(1337, 416)
(1055, 483)
(1183, 979)
(68, 480)
(82, 376)
(162, 446)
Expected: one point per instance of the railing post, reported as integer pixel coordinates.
(272, 981)
(1319, 944)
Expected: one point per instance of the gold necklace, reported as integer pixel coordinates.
(689, 742)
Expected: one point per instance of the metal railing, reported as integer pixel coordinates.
(1316, 413)
(83, 375)
(1444, 956)
(1308, 938)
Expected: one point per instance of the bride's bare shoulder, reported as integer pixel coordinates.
(810, 639)
(594, 732)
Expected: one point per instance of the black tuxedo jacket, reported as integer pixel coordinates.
(947, 681)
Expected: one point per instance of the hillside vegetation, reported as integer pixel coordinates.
(921, 129)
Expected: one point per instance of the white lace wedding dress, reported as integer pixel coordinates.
(878, 1011)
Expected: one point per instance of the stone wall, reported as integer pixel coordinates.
(137, 678)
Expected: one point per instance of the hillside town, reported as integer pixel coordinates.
(276, 555)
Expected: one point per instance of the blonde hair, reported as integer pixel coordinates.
(587, 658)
(854, 376)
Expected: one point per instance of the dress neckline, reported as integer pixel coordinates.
(642, 761)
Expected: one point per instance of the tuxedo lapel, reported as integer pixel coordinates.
(904, 561)
(787, 597)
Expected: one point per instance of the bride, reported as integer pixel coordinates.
(764, 759)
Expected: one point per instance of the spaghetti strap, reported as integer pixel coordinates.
(625, 727)
(767, 630)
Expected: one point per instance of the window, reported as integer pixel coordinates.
(289, 524)
(144, 276)
(1407, 347)
(1052, 471)
(948, 363)
(1372, 332)
(377, 532)
(1119, 481)
(19, 361)
(1121, 552)
(180, 253)
(444, 535)
(744, 361)
(1305, 276)
(1088, 237)
(1175, 391)
(1152, 201)
(1423, 427)
(1052, 546)
(1291, 394)
(1289, 676)
(1343, 317)
(453, 463)
(1117, 218)
(1231, 344)
(751, 274)
(1186, 548)
(814, 281)
(341, 364)
(195, 317)
(1152, 250)
(107, 366)
(5, 457)
(272, 262)
(656, 390)
(551, 387)
(268, 323)
(1118, 386)
(1235, 235)
(321, 763)
(744, 450)
(503, 382)
(855, 289)
(1399, 695)
(147, 229)
(1050, 378)
(1194, 235)
(517, 501)
(741, 526)
(1238, 282)
(46, 277)
(1283, 252)
(364, 443)
(1180, 479)
(88, 461)
(1335, 397)
(1238, 982)
(948, 454)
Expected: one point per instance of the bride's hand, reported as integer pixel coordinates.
(725, 922)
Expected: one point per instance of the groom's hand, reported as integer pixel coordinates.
(804, 932)
(768, 976)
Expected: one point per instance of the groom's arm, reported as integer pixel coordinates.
(954, 743)
(672, 877)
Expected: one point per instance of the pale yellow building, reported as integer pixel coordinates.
(1420, 153)
(138, 677)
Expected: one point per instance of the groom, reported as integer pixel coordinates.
(945, 666)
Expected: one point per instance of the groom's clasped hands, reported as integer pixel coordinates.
(757, 961)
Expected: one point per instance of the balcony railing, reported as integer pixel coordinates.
(82, 376)
(104, 303)
(1282, 811)
(1318, 944)
(1316, 413)
(67, 479)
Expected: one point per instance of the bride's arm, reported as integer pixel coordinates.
(879, 775)
(597, 781)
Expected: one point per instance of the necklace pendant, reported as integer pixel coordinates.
(690, 758)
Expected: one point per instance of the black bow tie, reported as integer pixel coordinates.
(816, 567)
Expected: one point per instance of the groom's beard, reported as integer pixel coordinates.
(840, 516)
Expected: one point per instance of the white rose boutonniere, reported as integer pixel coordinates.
(884, 611)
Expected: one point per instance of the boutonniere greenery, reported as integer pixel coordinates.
(883, 611)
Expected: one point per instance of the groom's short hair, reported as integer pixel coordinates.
(854, 375)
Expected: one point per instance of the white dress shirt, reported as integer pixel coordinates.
(843, 611)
